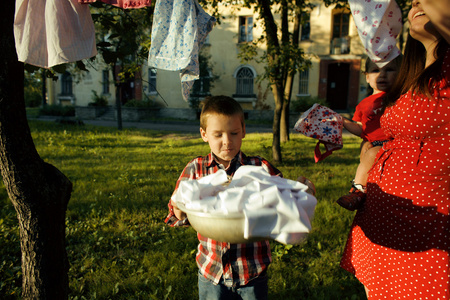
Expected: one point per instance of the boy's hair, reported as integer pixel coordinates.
(222, 105)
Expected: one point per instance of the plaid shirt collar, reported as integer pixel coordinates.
(235, 163)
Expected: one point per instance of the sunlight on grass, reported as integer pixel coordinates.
(117, 242)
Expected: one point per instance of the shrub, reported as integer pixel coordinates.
(139, 103)
(32, 98)
(58, 110)
(304, 103)
(98, 100)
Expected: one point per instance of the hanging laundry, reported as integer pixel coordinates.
(122, 3)
(378, 23)
(180, 28)
(53, 32)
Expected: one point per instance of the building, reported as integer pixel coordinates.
(329, 38)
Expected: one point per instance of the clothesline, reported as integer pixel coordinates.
(53, 32)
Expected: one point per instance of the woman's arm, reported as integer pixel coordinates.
(439, 13)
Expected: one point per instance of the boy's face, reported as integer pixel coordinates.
(381, 79)
(224, 135)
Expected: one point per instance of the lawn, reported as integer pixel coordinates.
(117, 243)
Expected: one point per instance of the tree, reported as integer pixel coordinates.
(124, 41)
(282, 59)
(38, 191)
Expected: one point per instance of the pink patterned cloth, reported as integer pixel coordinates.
(320, 122)
(53, 32)
(378, 22)
(122, 3)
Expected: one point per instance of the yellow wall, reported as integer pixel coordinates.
(224, 47)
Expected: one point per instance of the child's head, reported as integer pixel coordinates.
(222, 127)
(381, 79)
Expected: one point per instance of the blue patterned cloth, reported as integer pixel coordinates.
(179, 29)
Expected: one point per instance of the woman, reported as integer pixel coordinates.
(399, 242)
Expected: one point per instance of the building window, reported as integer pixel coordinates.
(340, 25)
(105, 82)
(66, 84)
(340, 41)
(303, 82)
(202, 85)
(245, 29)
(244, 82)
(306, 27)
(152, 81)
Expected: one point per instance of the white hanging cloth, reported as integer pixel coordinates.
(180, 28)
(52, 32)
(379, 22)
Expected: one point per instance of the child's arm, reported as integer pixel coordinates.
(176, 217)
(353, 127)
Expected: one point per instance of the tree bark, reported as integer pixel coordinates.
(38, 191)
(285, 124)
(276, 142)
(275, 76)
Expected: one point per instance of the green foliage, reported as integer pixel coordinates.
(140, 103)
(32, 88)
(117, 243)
(124, 36)
(57, 110)
(302, 104)
(98, 100)
(33, 112)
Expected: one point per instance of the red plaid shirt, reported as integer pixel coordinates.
(236, 263)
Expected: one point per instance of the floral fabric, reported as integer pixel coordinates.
(378, 22)
(180, 28)
(320, 122)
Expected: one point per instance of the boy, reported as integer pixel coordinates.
(226, 271)
(367, 126)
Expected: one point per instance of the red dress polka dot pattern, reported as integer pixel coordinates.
(399, 243)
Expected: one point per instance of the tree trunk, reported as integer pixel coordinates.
(285, 124)
(38, 191)
(276, 144)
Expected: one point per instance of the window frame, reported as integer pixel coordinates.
(105, 82)
(241, 91)
(66, 84)
(152, 78)
(303, 83)
(305, 27)
(245, 30)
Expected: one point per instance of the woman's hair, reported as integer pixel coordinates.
(413, 76)
(221, 105)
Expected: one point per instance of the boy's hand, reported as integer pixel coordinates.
(178, 213)
(311, 188)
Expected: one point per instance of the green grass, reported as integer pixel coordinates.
(117, 243)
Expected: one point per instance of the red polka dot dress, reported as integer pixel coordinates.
(399, 243)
